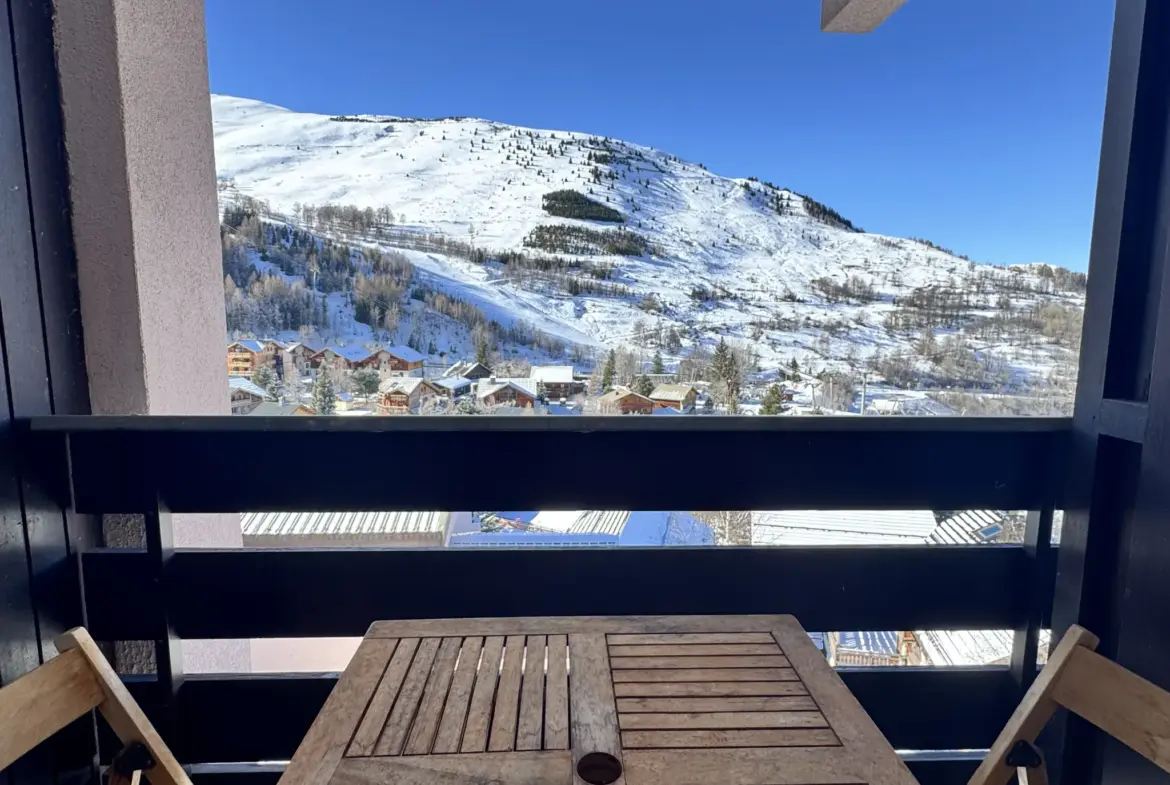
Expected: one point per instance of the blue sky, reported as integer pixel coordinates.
(972, 123)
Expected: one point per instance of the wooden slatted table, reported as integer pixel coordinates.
(676, 700)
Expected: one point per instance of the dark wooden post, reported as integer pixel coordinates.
(1112, 574)
(42, 369)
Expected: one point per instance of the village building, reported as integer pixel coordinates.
(403, 361)
(623, 400)
(246, 356)
(680, 397)
(245, 395)
(294, 361)
(454, 386)
(521, 393)
(339, 360)
(467, 369)
(872, 649)
(391, 361)
(405, 395)
(556, 380)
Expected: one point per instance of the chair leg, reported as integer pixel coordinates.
(1036, 776)
(127, 766)
(1029, 762)
(121, 779)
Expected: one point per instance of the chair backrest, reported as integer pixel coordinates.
(78, 680)
(1119, 702)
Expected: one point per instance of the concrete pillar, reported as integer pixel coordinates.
(137, 116)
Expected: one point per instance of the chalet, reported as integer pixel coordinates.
(339, 359)
(454, 386)
(405, 395)
(244, 357)
(245, 394)
(873, 649)
(293, 361)
(556, 380)
(404, 361)
(517, 392)
(622, 400)
(680, 397)
(467, 369)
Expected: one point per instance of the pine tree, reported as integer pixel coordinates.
(324, 396)
(263, 376)
(725, 375)
(657, 367)
(773, 402)
(273, 388)
(643, 385)
(483, 349)
(720, 362)
(610, 369)
(366, 381)
(794, 365)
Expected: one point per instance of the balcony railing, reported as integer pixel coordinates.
(158, 465)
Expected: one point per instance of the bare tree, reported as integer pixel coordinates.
(730, 527)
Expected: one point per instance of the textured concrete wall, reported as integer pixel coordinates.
(142, 167)
(135, 99)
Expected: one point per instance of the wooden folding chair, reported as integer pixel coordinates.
(1119, 702)
(79, 679)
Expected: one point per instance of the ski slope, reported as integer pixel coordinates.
(481, 181)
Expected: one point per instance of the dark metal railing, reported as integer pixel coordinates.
(158, 465)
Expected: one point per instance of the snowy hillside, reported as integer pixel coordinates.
(694, 255)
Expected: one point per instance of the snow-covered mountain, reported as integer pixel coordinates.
(709, 255)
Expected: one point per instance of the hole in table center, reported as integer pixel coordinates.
(599, 768)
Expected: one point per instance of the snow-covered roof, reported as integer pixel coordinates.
(841, 527)
(464, 367)
(869, 642)
(552, 374)
(406, 354)
(355, 354)
(973, 647)
(600, 521)
(617, 393)
(454, 383)
(249, 344)
(244, 384)
(405, 384)
(283, 524)
(969, 527)
(672, 392)
(526, 386)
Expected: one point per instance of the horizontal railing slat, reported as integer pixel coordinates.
(264, 717)
(208, 464)
(941, 771)
(257, 593)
